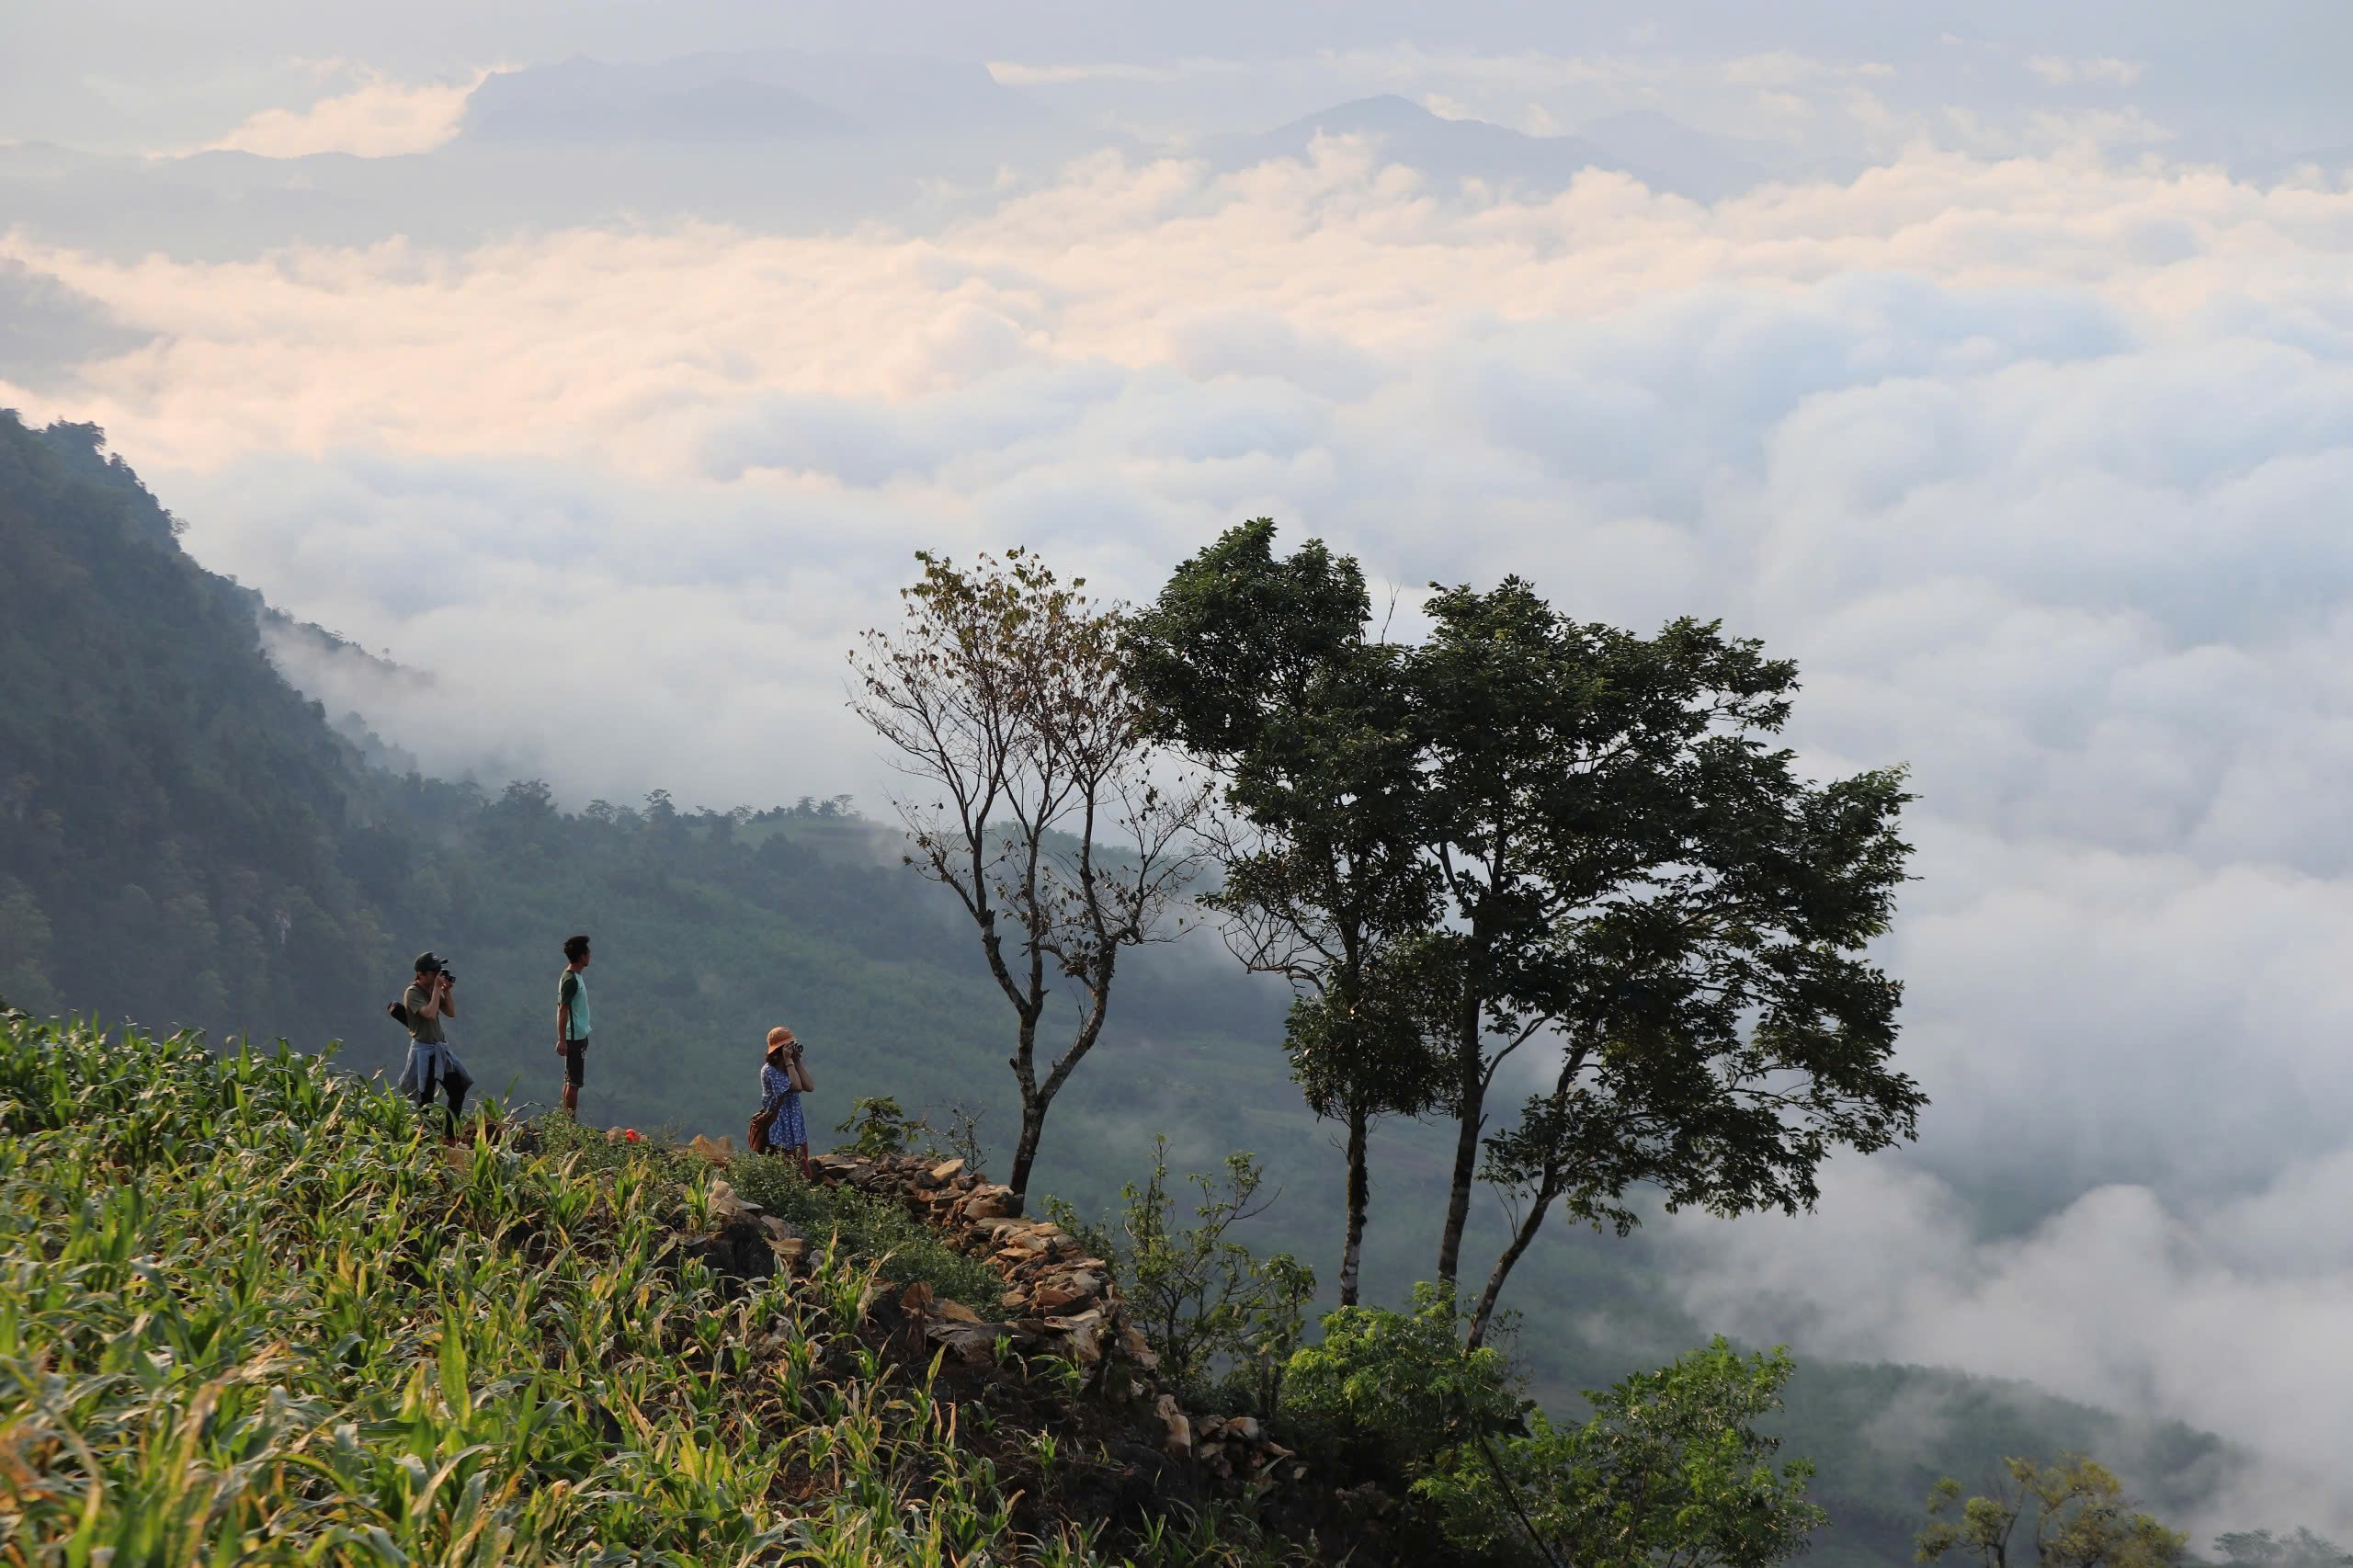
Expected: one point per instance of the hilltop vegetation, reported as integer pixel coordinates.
(248, 1315)
(251, 1312)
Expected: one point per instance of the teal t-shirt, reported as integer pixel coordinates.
(573, 991)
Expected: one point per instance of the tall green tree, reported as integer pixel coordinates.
(1532, 851)
(1261, 667)
(1036, 797)
(1642, 896)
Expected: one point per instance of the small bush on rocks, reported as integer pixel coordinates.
(880, 1127)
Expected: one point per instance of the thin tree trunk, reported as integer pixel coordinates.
(1458, 1198)
(1359, 1199)
(1024, 1151)
(1033, 1108)
(1520, 1238)
(1038, 1097)
(1471, 1116)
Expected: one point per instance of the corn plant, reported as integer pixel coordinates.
(252, 1314)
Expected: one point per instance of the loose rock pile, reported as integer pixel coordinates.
(1058, 1300)
(1061, 1303)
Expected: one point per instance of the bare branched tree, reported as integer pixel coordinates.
(1038, 801)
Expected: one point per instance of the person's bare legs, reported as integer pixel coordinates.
(575, 1063)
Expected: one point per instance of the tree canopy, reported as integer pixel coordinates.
(1546, 854)
(1262, 668)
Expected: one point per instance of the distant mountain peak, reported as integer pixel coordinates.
(747, 96)
(582, 100)
(1409, 133)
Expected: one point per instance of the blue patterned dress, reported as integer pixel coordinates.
(776, 1094)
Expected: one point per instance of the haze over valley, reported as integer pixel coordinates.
(555, 396)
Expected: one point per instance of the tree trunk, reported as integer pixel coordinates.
(1360, 1199)
(1037, 1097)
(1034, 1102)
(1024, 1151)
(1470, 1117)
(1525, 1234)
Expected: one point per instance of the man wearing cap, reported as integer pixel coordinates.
(428, 1000)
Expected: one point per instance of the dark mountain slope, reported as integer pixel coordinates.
(171, 811)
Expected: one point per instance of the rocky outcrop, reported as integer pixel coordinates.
(1058, 1300)
(1062, 1356)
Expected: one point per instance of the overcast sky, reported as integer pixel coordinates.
(2020, 412)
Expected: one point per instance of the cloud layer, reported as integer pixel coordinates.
(370, 116)
(2227, 1314)
(2037, 464)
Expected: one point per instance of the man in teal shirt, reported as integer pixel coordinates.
(572, 1020)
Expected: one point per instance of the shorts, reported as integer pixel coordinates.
(575, 1060)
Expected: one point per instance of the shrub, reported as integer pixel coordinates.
(880, 1127)
(1204, 1303)
(1670, 1470)
(1393, 1395)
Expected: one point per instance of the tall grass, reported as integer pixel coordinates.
(250, 1312)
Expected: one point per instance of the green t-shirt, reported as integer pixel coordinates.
(572, 991)
(422, 1030)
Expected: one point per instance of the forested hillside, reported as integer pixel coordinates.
(186, 840)
(174, 817)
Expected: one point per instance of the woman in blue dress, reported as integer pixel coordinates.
(784, 1078)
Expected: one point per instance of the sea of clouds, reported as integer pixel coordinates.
(2038, 464)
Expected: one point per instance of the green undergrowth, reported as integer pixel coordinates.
(251, 1313)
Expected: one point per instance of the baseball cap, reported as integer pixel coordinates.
(428, 963)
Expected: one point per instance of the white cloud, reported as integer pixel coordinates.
(2107, 69)
(2228, 1315)
(2037, 464)
(375, 119)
